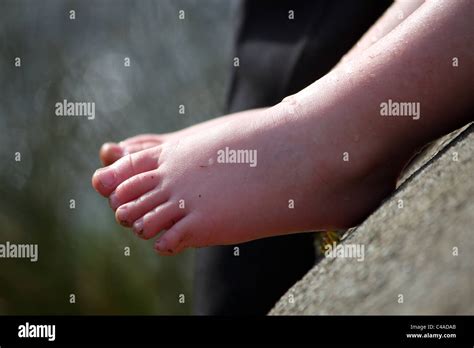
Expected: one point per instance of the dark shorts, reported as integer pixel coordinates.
(277, 57)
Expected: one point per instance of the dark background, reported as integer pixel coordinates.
(81, 250)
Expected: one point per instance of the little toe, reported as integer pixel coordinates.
(176, 238)
(110, 152)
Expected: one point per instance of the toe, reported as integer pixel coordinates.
(128, 213)
(176, 238)
(136, 147)
(106, 180)
(153, 222)
(133, 188)
(110, 152)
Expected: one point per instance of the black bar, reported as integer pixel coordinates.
(138, 330)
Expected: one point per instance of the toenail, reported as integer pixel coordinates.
(106, 178)
(138, 227)
(121, 213)
(160, 245)
(113, 200)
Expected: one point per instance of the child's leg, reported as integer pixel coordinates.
(329, 149)
(309, 46)
(401, 9)
(395, 14)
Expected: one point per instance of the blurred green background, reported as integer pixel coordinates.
(81, 250)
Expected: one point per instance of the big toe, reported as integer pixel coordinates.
(106, 180)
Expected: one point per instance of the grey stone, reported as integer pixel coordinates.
(408, 251)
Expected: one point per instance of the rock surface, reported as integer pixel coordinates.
(418, 259)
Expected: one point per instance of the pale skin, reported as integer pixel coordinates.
(301, 143)
(397, 13)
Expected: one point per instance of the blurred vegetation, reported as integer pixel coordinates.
(81, 250)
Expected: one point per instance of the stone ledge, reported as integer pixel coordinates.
(408, 251)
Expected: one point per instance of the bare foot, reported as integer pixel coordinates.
(296, 180)
(323, 158)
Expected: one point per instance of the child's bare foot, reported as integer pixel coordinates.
(325, 157)
(297, 181)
